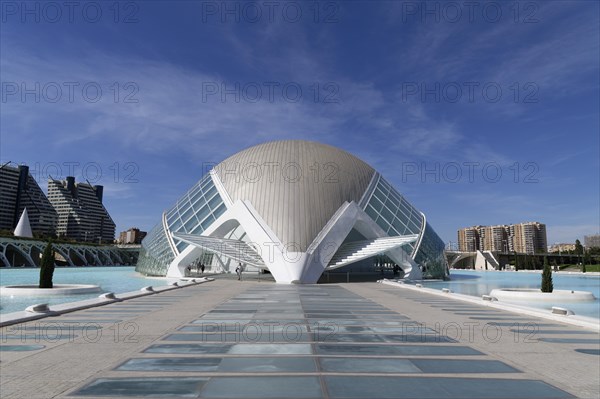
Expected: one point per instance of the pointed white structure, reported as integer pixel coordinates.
(23, 228)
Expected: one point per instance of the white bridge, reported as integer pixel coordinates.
(25, 252)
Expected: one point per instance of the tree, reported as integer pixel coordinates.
(547, 285)
(578, 248)
(47, 267)
(587, 259)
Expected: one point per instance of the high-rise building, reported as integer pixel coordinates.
(592, 241)
(19, 190)
(468, 239)
(81, 215)
(529, 237)
(493, 238)
(132, 236)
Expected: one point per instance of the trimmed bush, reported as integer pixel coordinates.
(47, 267)
(547, 285)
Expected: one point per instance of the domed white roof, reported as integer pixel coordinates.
(296, 186)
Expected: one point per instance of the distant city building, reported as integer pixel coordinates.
(19, 190)
(132, 236)
(81, 215)
(468, 239)
(592, 241)
(494, 238)
(527, 237)
(561, 247)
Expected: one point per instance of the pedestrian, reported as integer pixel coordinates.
(238, 271)
(188, 271)
(202, 268)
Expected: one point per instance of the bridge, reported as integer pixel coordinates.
(495, 260)
(25, 252)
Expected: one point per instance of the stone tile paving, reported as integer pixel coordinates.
(264, 340)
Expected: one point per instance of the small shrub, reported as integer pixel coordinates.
(547, 285)
(47, 267)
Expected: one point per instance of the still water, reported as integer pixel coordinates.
(478, 283)
(117, 279)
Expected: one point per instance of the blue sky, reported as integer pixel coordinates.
(440, 97)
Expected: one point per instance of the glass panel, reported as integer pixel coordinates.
(214, 203)
(208, 221)
(198, 229)
(220, 210)
(395, 350)
(186, 364)
(181, 246)
(371, 212)
(187, 213)
(268, 365)
(376, 204)
(206, 183)
(399, 226)
(208, 194)
(392, 204)
(176, 225)
(202, 213)
(367, 365)
(463, 366)
(20, 348)
(190, 348)
(190, 224)
(387, 214)
(443, 387)
(379, 194)
(263, 387)
(163, 387)
(197, 200)
(413, 228)
(267, 349)
(382, 223)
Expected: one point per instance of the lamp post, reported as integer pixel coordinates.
(474, 248)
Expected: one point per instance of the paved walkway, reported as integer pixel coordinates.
(249, 339)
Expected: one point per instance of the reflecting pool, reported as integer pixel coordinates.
(117, 279)
(477, 283)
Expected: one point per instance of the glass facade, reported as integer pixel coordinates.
(193, 213)
(396, 216)
(198, 208)
(431, 255)
(393, 213)
(156, 254)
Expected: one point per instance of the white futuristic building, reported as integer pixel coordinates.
(297, 209)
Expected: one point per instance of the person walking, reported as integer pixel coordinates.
(238, 270)
(202, 268)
